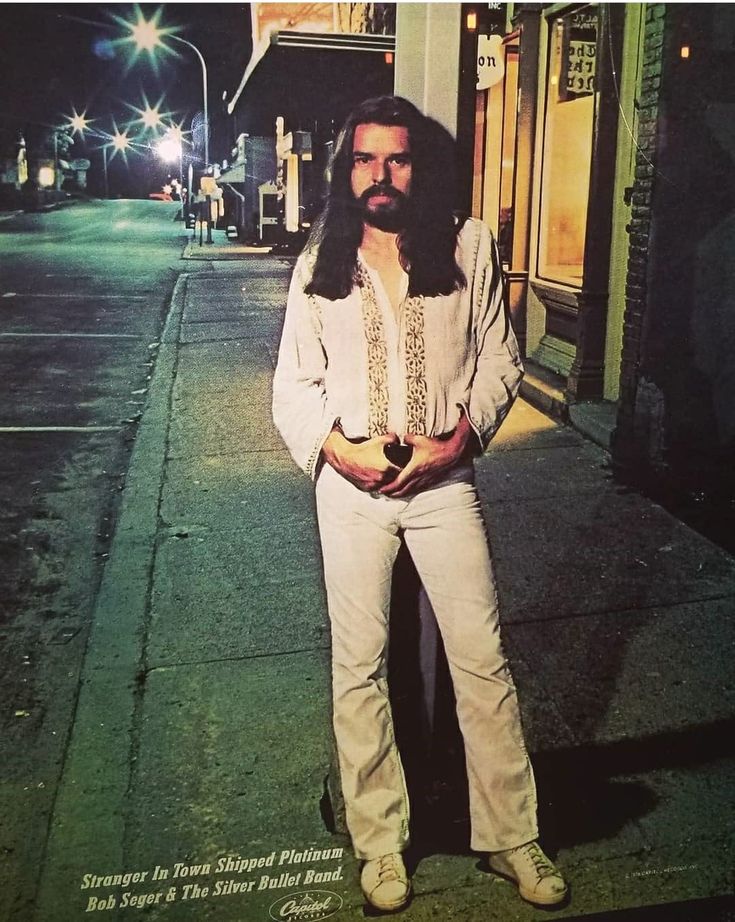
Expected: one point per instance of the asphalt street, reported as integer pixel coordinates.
(83, 291)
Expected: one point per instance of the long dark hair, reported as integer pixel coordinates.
(427, 244)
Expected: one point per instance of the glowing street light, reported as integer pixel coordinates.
(79, 122)
(169, 149)
(145, 34)
(148, 36)
(46, 176)
(114, 141)
(120, 141)
(151, 118)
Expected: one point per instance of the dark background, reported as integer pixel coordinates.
(60, 58)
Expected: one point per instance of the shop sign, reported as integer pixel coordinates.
(490, 61)
(579, 56)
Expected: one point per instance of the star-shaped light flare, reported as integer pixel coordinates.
(149, 116)
(146, 35)
(78, 122)
(118, 143)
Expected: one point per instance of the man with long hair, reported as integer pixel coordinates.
(397, 364)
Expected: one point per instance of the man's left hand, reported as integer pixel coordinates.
(431, 459)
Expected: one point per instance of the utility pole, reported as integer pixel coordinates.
(104, 170)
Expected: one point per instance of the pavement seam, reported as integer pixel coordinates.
(265, 654)
(595, 613)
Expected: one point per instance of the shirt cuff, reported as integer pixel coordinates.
(482, 444)
(315, 460)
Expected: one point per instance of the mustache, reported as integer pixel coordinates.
(379, 189)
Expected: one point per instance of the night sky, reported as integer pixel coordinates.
(65, 57)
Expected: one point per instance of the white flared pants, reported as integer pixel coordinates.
(445, 534)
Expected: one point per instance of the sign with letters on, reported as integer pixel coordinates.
(579, 56)
(490, 61)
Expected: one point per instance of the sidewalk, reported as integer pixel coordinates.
(221, 248)
(202, 729)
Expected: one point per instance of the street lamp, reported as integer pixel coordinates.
(147, 36)
(119, 142)
(116, 141)
(46, 176)
(78, 122)
(198, 53)
(149, 116)
(170, 149)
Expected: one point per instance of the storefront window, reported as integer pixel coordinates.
(568, 130)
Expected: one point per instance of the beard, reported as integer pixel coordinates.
(390, 216)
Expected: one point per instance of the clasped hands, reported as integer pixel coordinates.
(365, 465)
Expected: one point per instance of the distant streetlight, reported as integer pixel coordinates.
(46, 176)
(171, 149)
(147, 36)
(119, 143)
(114, 142)
(151, 118)
(79, 122)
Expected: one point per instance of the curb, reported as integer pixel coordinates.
(100, 755)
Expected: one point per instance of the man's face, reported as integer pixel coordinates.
(381, 174)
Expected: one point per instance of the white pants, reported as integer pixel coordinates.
(445, 534)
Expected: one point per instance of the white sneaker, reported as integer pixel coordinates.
(385, 882)
(538, 880)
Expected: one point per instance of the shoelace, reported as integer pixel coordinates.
(387, 868)
(541, 864)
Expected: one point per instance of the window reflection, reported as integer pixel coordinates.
(568, 130)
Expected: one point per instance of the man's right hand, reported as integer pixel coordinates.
(362, 463)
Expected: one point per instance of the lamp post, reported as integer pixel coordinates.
(198, 53)
(57, 184)
(104, 171)
(147, 37)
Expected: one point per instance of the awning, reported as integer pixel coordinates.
(331, 41)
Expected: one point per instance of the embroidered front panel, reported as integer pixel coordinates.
(413, 311)
(377, 356)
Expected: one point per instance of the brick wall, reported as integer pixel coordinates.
(633, 417)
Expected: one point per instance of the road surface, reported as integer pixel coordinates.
(83, 294)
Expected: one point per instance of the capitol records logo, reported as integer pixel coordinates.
(308, 905)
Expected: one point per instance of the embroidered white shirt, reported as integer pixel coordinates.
(354, 361)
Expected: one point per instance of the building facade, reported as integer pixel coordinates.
(597, 141)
